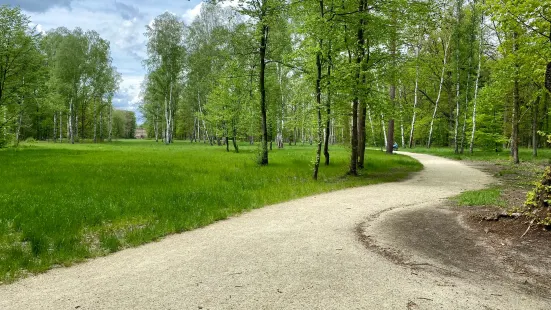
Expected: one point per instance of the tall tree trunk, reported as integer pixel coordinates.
(389, 140)
(60, 128)
(458, 79)
(205, 131)
(82, 123)
(360, 50)
(101, 124)
(172, 124)
(354, 139)
(401, 99)
(467, 88)
(263, 160)
(548, 76)
(328, 110)
(318, 99)
(361, 133)
(546, 113)
(55, 127)
(346, 137)
(19, 121)
(110, 123)
(416, 98)
(371, 125)
(281, 123)
(446, 48)
(76, 127)
(156, 128)
(235, 139)
(516, 107)
(515, 122)
(383, 129)
(4, 120)
(95, 122)
(535, 112)
(480, 45)
(71, 133)
(318, 107)
(168, 109)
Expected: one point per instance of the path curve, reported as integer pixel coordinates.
(302, 254)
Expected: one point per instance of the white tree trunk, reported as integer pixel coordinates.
(416, 98)
(110, 123)
(402, 120)
(205, 131)
(168, 112)
(101, 124)
(383, 128)
(372, 128)
(95, 123)
(446, 48)
(55, 128)
(76, 126)
(466, 101)
(19, 119)
(480, 45)
(60, 128)
(156, 128)
(458, 81)
(70, 119)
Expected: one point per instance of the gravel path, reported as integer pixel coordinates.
(302, 254)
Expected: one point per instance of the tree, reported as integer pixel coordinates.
(166, 56)
(20, 62)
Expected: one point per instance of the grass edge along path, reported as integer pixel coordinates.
(514, 179)
(61, 204)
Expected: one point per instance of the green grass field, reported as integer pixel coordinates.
(60, 203)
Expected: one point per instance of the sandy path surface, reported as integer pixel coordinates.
(302, 254)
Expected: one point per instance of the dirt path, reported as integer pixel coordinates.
(303, 254)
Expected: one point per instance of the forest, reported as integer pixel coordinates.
(471, 75)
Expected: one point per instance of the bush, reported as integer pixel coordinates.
(5, 140)
(538, 200)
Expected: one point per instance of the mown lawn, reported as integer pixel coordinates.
(60, 203)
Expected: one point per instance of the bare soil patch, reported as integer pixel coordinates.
(457, 242)
(518, 251)
(462, 241)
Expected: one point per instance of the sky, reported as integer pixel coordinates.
(122, 22)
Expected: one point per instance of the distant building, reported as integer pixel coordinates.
(140, 133)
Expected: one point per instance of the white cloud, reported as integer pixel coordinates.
(122, 22)
(190, 14)
(231, 3)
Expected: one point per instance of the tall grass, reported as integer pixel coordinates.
(60, 203)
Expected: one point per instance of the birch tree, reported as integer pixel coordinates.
(166, 56)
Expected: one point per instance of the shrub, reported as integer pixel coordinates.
(538, 200)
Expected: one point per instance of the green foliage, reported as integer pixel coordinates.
(538, 201)
(108, 197)
(124, 124)
(484, 197)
